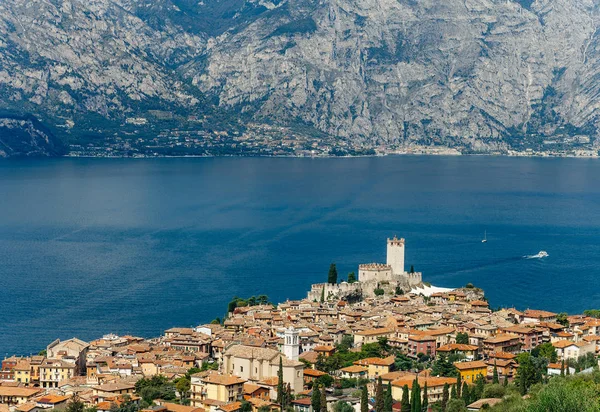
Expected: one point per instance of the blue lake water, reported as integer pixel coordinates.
(91, 246)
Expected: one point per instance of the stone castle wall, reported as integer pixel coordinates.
(339, 291)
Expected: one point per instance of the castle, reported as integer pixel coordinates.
(372, 276)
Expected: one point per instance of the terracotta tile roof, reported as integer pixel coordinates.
(432, 381)
(470, 365)
(354, 369)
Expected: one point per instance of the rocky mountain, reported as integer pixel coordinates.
(346, 75)
(24, 136)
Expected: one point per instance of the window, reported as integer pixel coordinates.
(241, 369)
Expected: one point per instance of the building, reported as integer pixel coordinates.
(372, 335)
(376, 366)
(113, 390)
(469, 371)
(72, 351)
(425, 344)
(16, 395)
(53, 371)
(215, 386)
(291, 345)
(502, 343)
(256, 364)
(372, 276)
(566, 349)
(435, 386)
(470, 352)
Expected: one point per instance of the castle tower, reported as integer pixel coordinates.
(291, 344)
(395, 255)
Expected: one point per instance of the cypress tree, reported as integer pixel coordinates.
(562, 368)
(364, 400)
(477, 393)
(425, 398)
(280, 387)
(416, 399)
(495, 378)
(315, 400)
(465, 393)
(388, 400)
(323, 294)
(522, 385)
(333, 275)
(453, 394)
(405, 400)
(458, 385)
(351, 277)
(323, 400)
(445, 396)
(379, 396)
(505, 383)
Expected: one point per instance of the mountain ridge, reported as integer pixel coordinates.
(335, 76)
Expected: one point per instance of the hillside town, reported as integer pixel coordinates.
(390, 348)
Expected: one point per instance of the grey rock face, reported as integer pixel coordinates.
(26, 137)
(482, 75)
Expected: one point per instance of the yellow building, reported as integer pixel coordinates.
(54, 371)
(11, 395)
(470, 370)
(376, 366)
(215, 386)
(435, 386)
(23, 372)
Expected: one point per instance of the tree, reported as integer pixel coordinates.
(562, 368)
(458, 385)
(341, 406)
(477, 392)
(462, 338)
(592, 313)
(280, 387)
(388, 401)
(530, 370)
(412, 269)
(351, 277)
(545, 350)
(315, 399)
(443, 367)
(75, 404)
(445, 396)
(563, 319)
(495, 375)
(246, 407)
(465, 393)
(379, 402)
(333, 275)
(364, 400)
(323, 294)
(405, 403)
(415, 399)
(425, 398)
(456, 405)
(505, 383)
(323, 400)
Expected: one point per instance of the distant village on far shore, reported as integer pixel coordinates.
(381, 341)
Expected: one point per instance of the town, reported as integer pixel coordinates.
(381, 341)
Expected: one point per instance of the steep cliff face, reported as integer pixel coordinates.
(26, 137)
(482, 75)
(478, 73)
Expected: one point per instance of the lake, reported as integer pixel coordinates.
(92, 246)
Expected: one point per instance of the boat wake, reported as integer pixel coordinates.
(541, 254)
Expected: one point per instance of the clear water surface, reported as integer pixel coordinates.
(91, 246)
